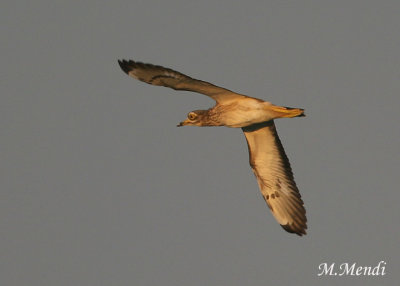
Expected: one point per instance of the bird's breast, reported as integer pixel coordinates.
(241, 113)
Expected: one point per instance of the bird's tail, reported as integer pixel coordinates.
(282, 111)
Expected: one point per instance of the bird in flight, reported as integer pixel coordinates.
(256, 118)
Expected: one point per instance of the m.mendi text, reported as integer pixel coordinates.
(351, 269)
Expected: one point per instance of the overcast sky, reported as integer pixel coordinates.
(99, 187)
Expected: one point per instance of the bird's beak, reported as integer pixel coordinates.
(183, 123)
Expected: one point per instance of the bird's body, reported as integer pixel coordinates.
(246, 112)
(256, 118)
(240, 113)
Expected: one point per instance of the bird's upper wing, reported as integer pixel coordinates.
(158, 75)
(275, 178)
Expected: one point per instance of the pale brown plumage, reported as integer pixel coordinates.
(274, 175)
(256, 118)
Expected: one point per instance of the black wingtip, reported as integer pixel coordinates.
(292, 229)
(125, 66)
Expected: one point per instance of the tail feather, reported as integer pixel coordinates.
(282, 111)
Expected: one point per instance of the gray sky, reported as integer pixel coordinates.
(98, 186)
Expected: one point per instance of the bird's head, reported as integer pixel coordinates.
(196, 118)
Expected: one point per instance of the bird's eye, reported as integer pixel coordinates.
(192, 116)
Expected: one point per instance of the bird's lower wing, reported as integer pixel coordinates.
(158, 75)
(275, 178)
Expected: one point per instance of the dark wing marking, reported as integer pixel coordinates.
(158, 75)
(275, 178)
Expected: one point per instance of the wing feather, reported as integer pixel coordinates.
(161, 76)
(275, 178)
